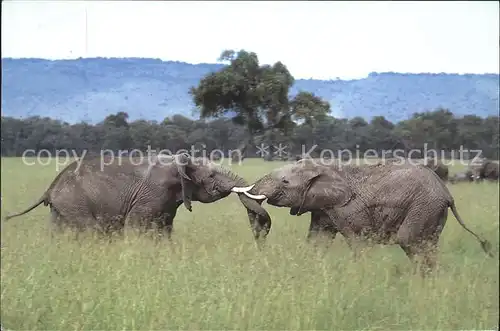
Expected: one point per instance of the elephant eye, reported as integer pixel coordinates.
(285, 181)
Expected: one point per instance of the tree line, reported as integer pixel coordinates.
(439, 129)
(246, 104)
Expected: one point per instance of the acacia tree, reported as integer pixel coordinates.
(257, 94)
(310, 109)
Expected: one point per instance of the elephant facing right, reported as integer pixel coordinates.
(389, 203)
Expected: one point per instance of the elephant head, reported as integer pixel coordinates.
(302, 186)
(207, 182)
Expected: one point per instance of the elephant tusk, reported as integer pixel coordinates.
(246, 189)
(242, 189)
(255, 197)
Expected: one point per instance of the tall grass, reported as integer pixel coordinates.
(211, 276)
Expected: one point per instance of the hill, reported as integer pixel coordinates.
(90, 89)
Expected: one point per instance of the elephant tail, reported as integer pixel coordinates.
(44, 198)
(485, 244)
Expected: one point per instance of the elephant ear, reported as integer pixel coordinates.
(182, 161)
(325, 190)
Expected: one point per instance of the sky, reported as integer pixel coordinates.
(321, 40)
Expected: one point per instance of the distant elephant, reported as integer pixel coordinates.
(141, 193)
(268, 157)
(237, 156)
(404, 204)
(438, 167)
(485, 169)
(461, 177)
(491, 170)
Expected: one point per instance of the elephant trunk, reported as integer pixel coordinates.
(256, 191)
(257, 215)
(259, 218)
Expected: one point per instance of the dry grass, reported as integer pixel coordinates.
(212, 276)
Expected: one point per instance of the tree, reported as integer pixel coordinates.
(257, 94)
(358, 133)
(233, 88)
(117, 135)
(178, 132)
(438, 129)
(310, 109)
(381, 134)
(117, 120)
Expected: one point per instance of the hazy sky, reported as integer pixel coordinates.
(314, 39)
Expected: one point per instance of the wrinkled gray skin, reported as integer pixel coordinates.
(435, 165)
(391, 204)
(143, 196)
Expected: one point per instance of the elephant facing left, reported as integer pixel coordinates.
(387, 203)
(140, 193)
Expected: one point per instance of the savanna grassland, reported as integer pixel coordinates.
(212, 276)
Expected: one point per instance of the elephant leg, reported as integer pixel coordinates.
(143, 218)
(423, 254)
(321, 231)
(259, 230)
(72, 209)
(56, 223)
(138, 220)
(355, 242)
(166, 227)
(107, 226)
(163, 227)
(75, 219)
(321, 226)
(420, 240)
(341, 225)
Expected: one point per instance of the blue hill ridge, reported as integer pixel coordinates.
(90, 89)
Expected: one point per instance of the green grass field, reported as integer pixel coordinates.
(212, 276)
